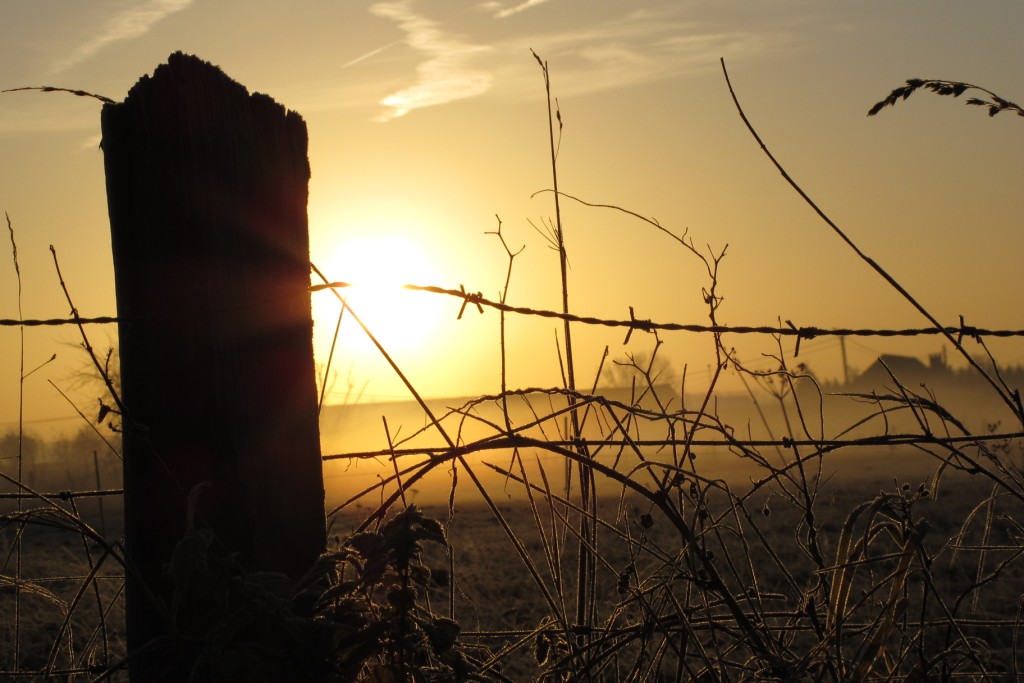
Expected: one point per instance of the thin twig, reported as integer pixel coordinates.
(1013, 405)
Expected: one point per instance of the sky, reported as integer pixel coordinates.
(428, 130)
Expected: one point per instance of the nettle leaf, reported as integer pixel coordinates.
(339, 591)
(367, 544)
(542, 648)
(190, 557)
(431, 530)
(402, 599)
(374, 552)
(419, 575)
(443, 634)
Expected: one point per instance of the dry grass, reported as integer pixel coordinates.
(612, 535)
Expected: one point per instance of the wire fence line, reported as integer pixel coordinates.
(735, 615)
(509, 441)
(56, 322)
(789, 330)
(807, 332)
(785, 442)
(65, 495)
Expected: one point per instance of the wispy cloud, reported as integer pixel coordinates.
(516, 9)
(610, 48)
(630, 50)
(126, 24)
(445, 75)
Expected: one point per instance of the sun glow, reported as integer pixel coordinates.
(375, 268)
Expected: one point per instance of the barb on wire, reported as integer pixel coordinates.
(468, 298)
(637, 324)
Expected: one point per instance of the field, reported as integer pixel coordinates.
(906, 558)
(864, 563)
(826, 537)
(633, 531)
(509, 612)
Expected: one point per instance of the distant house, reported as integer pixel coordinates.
(908, 370)
(962, 391)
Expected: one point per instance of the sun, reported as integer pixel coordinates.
(376, 267)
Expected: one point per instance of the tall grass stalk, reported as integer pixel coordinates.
(1009, 396)
(588, 501)
(715, 553)
(21, 443)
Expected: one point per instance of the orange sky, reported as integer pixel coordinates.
(428, 119)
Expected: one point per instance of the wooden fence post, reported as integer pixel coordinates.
(207, 188)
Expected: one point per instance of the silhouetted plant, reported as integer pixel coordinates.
(994, 102)
(374, 603)
(359, 614)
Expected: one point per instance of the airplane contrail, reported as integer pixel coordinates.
(372, 53)
(377, 51)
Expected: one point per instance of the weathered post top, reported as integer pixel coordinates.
(207, 187)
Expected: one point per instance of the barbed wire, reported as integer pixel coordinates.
(707, 624)
(503, 441)
(49, 674)
(53, 322)
(64, 495)
(647, 325)
(785, 442)
(805, 332)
